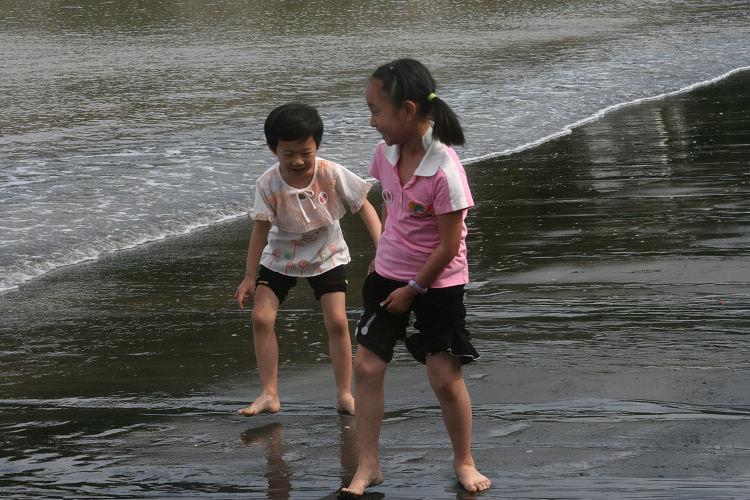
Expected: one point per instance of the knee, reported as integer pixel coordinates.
(263, 320)
(447, 388)
(367, 369)
(338, 327)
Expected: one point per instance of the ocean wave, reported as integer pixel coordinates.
(568, 129)
(22, 272)
(32, 268)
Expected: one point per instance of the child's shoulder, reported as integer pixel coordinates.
(270, 178)
(326, 165)
(329, 169)
(270, 172)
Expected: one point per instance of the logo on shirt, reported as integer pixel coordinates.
(415, 207)
(419, 211)
(387, 196)
(323, 198)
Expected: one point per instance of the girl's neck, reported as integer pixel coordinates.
(411, 154)
(413, 147)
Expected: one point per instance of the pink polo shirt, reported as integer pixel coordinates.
(438, 187)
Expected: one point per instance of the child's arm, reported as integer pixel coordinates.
(450, 227)
(372, 221)
(246, 291)
(381, 222)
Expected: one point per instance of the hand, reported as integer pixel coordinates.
(245, 292)
(399, 301)
(371, 267)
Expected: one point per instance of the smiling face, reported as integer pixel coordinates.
(391, 122)
(297, 161)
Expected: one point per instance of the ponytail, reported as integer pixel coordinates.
(409, 80)
(446, 126)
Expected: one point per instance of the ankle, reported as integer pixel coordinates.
(369, 464)
(464, 462)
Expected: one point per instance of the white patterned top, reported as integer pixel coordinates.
(305, 237)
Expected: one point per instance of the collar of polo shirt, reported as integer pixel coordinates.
(432, 160)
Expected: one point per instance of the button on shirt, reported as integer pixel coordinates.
(438, 187)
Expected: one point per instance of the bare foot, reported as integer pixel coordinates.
(264, 404)
(345, 404)
(363, 479)
(471, 479)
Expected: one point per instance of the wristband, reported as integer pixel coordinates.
(420, 290)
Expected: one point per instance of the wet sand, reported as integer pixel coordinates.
(592, 431)
(608, 300)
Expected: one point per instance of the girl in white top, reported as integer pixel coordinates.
(296, 233)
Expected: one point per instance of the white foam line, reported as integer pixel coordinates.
(600, 114)
(29, 275)
(33, 271)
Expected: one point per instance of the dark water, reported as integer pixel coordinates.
(609, 300)
(634, 228)
(124, 122)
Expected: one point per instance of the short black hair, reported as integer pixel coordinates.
(293, 122)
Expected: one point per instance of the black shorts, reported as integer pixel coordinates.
(333, 280)
(440, 322)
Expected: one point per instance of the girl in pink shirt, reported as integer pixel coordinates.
(420, 265)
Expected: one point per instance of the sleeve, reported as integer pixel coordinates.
(351, 188)
(262, 206)
(452, 191)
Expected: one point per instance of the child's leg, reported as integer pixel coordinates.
(340, 347)
(369, 373)
(265, 307)
(446, 379)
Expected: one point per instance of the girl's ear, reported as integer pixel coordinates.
(410, 109)
(273, 149)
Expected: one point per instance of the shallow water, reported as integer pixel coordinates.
(633, 229)
(608, 300)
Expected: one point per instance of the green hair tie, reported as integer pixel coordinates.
(431, 96)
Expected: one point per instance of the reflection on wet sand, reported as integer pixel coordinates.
(349, 451)
(278, 473)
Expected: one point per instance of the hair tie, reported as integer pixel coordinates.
(431, 97)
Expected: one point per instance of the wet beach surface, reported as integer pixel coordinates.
(609, 301)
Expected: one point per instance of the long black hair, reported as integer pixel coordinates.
(409, 80)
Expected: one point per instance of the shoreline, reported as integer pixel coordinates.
(187, 231)
(598, 115)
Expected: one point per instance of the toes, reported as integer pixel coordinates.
(343, 494)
